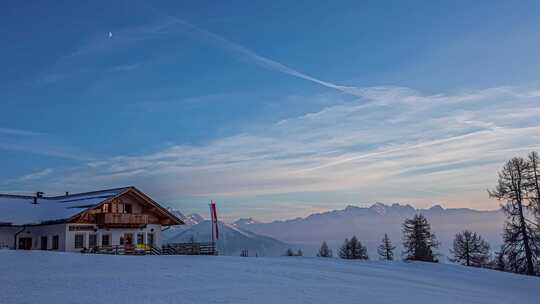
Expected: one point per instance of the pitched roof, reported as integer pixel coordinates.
(21, 210)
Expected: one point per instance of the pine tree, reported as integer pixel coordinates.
(345, 250)
(353, 250)
(289, 252)
(299, 252)
(324, 251)
(418, 241)
(358, 251)
(470, 250)
(521, 240)
(386, 249)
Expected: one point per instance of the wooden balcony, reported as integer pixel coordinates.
(122, 220)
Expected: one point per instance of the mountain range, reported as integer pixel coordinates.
(370, 224)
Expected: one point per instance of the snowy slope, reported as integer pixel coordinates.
(46, 277)
(232, 240)
(189, 220)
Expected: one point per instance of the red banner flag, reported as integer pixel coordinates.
(213, 215)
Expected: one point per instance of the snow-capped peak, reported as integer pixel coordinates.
(190, 220)
(245, 221)
(380, 208)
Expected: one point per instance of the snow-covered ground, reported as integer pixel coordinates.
(46, 277)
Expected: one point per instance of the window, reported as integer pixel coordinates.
(55, 241)
(105, 240)
(92, 240)
(25, 243)
(140, 238)
(79, 241)
(127, 239)
(127, 208)
(120, 208)
(150, 237)
(105, 208)
(43, 243)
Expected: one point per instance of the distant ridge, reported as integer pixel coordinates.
(370, 223)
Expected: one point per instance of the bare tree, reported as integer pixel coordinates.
(386, 249)
(470, 249)
(520, 239)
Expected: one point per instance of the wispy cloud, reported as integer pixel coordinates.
(18, 132)
(35, 175)
(38, 143)
(413, 147)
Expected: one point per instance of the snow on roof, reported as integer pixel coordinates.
(21, 210)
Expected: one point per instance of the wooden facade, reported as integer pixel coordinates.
(115, 218)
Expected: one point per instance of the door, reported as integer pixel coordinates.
(25, 243)
(126, 239)
(44, 242)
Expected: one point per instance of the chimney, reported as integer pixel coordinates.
(67, 193)
(39, 194)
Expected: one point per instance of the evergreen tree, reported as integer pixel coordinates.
(386, 249)
(289, 252)
(418, 241)
(521, 240)
(299, 252)
(324, 251)
(353, 250)
(470, 250)
(358, 251)
(345, 250)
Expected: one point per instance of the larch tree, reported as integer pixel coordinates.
(324, 251)
(418, 242)
(532, 184)
(521, 242)
(470, 249)
(386, 249)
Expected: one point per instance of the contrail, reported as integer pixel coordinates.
(251, 56)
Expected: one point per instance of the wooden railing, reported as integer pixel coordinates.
(189, 249)
(167, 249)
(122, 220)
(126, 250)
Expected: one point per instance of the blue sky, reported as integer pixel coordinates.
(273, 109)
